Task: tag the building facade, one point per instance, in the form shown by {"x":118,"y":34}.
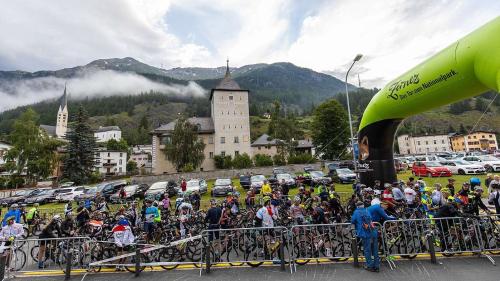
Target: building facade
{"x":477,"y":141}
{"x":226,"y":132}
{"x":104,"y":134}
{"x":111,"y":163}
{"x":409,"y":144}
{"x":3,"y":150}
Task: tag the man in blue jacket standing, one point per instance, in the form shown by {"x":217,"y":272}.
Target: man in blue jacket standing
{"x":365,"y":229}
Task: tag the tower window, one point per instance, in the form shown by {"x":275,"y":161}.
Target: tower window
{"x":236,"y":140}
{"x":222,"y":140}
{"x":230,"y":97}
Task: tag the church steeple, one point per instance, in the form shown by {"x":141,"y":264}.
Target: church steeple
{"x":62,"y":115}
{"x":228,"y":73}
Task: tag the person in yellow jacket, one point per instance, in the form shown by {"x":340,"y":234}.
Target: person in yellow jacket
{"x":32,"y":214}
{"x":266,"y":188}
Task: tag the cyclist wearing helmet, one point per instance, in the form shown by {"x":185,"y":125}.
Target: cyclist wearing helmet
{"x":150,"y":218}
{"x":48,"y":233}
{"x":296,"y":211}
{"x":195,"y":199}
{"x":10,"y":232}
{"x":426,"y":200}
{"x":123,"y":237}
{"x":474,"y":182}
{"x":463,"y":194}
{"x":475,"y":202}
{"x":265,"y":216}
{"x":13,"y":211}
{"x":32,"y":214}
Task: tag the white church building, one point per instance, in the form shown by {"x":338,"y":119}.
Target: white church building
{"x":61,"y":127}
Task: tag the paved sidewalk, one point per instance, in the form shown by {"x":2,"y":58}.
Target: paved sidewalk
{"x":453,"y":269}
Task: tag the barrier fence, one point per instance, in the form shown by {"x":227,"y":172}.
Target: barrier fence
{"x":297,"y":245}
{"x":251,"y":246}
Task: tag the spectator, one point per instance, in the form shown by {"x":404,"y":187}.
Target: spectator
{"x":494,"y":198}
{"x":487,"y":181}
{"x":378,"y":214}
{"x":496,"y":180}
{"x":451,"y":185}
{"x":365,"y":229}
{"x":183,"y":186}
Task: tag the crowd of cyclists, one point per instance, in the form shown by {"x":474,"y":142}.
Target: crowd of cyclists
{"x":163,"y":220}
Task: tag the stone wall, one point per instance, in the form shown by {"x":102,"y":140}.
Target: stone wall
{"x":220,"y":173}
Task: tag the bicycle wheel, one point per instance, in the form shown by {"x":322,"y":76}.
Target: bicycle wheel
{"x":232,"y":252}
{"x":303,"y":252}
{"x":340,"y":252}
{"x":34,"y":253}
{"x":168,"y":255}
{"x":18,"y":260}
{"x":131,"y":260}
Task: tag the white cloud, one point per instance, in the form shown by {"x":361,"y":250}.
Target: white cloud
{"x":88,"y":84}
{"x":394,"y":35}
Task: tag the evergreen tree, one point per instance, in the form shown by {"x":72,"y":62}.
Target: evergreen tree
{"x":81,"y":150}
{"x":462,"y":129}
{"x":481,"y":104}
{"x":330,"y":131}
{"x":451,"y":129}
{"x":185,"y":148}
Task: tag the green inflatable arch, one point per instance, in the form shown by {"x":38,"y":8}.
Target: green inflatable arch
{"x":466,"y":68}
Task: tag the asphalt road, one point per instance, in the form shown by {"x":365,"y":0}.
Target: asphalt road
{"x":453,"y":269}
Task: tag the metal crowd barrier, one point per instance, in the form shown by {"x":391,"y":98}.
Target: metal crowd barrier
{"x":489,"y":228}
{"x":57,"y":254}
{"x":325,"y":241}
{"x":251,"y":246}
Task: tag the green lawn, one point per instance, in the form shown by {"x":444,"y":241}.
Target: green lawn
{"x":59,"y":207}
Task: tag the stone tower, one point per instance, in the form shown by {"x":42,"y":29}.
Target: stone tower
{"x":62,"y":116}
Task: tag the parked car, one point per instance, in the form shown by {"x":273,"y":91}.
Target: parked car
{"x":130,"y":194}
{"x":430,"y":169}
{"x":489,"y":162}
{"x":44,"y":197}
{"x":288,"y":178}
{"x":110,"y":188}
{"x":461,"y":167}
{"x":89,"y":193}
{"x":257,"y":181}
{"x":222,"y":187}
{"x":66,"y":184}
{"x":156,"y":190}
{"x":318,"y":177}
{"x":20,"y":196}
{"x":192,"y":185}
{"x":245,"y":181}
{"x":342,"y":175}
{"x":279,"y":171}
{"x":69,"y":193}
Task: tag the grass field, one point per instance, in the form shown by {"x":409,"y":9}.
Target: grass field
{"x":59,"y":207}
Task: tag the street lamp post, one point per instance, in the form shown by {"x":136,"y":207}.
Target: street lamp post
{"x":357,"y":58}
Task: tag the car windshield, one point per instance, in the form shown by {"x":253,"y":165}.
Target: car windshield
{"x":462,"y":162}
{"x":90,"y":191}
{"x":101,"y":187}
{"x":65,"y":190}
{"x":283,"y":177}
{"x":46,"y":192}
{"x":223,"y":182}
{"x":317,"y":174}
{"x":344,"y":171}
{"x":488,"y":158}
{"x":432,"y":164}
{"x":258,"y":178}
{"x":130,"y":188}
{"x":158,"y":185}
{"x":193,"y":184}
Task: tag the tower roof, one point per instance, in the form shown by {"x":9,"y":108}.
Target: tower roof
{"x":64,"y":99}
{"x":227,"y":83}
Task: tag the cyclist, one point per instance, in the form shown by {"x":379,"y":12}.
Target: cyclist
{"x":150,"y":219}
{"x":13,"y":211}
{"x":474,"y":182}
{"x":475,"y":203}
{"x":185,"y":212}
{"x":266,"y":189}
{"x":32,"y":215}
{"x":265,"y":216}
{"x":426,"y":200}
{"x":68,"y":225}
{"x":195,"y":199}
{"x":11,"y":231}
{"x":48,"y":233}
{"x":124,"y":238}
{"x":463,"y":194}
{"x":68,"y":207}
{"x":397,"y":193}
{"x":451,"y":186}
{"x":447,"y":210}
{"x":213,"y":219}
{"x":296,"y":211}
{"x":410,"y":195}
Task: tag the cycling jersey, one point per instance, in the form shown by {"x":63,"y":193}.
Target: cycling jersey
{"x":151,"y":214}
{"x":410,"y":195}
{"x":32,"y":213}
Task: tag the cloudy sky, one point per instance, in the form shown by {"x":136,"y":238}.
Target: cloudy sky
{"x":320,"y":34}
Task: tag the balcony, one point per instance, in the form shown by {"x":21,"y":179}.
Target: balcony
{"x":108,"y":165}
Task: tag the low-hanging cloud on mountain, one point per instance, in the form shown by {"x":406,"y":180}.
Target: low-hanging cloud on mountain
{"x":88,"y":84}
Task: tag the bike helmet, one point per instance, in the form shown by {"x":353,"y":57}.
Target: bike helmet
{"x":123,"y":221}
{"x":56,"y":218}
{"x":475,"y":181}
{"x":14,"y":206}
